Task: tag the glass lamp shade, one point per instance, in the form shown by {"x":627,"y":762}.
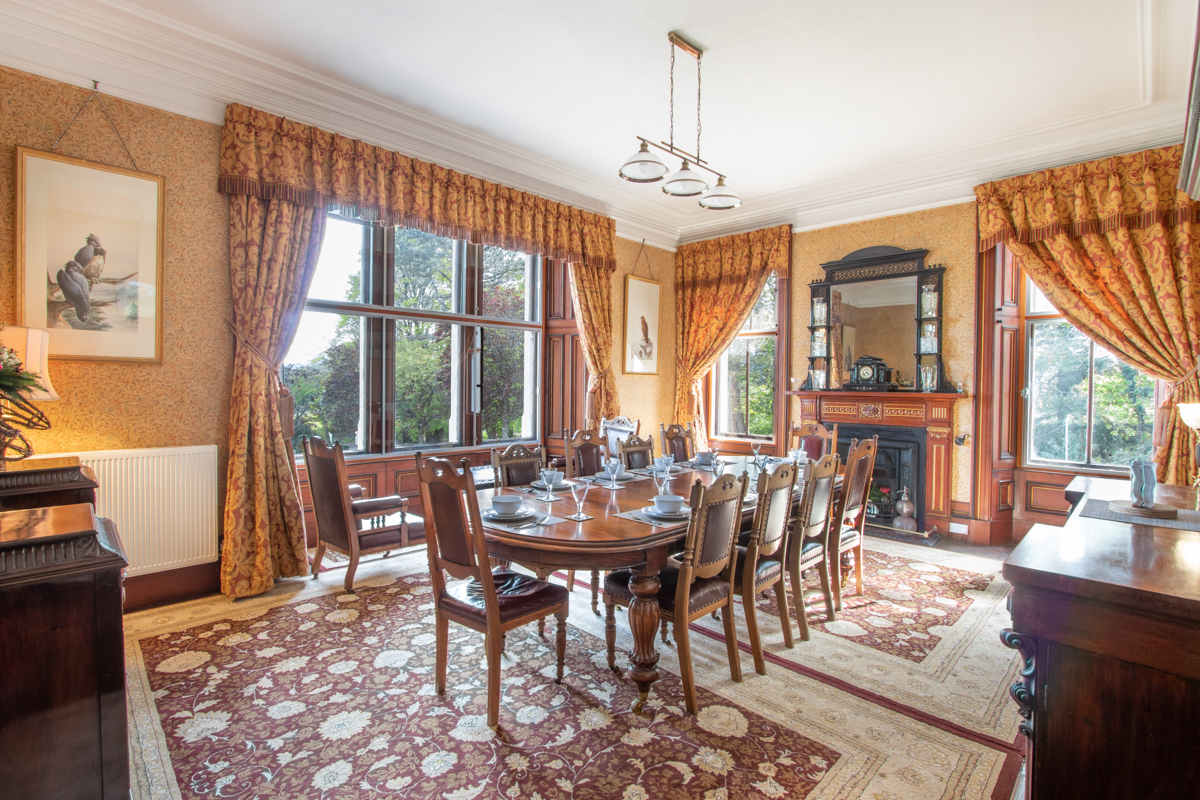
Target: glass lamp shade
{"x":643,"y":167}
{"x":32,"y":346}
{"x":719,"y":198}
{"x":1190,"y":414}
{"x":685,"y":183}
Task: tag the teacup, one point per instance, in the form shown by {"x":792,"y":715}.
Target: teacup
{"x":703,"y":457}
{"x":506,"y":505}
{"x":662,"y":462}
{"x":552,"y":477}
{"x":668,"y":503}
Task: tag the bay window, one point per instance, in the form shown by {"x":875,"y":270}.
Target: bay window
{"x":743,"y":381}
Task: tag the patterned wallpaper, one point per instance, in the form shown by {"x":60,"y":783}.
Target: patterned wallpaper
{"x":949,"y":235}
{"x":107,"y":406}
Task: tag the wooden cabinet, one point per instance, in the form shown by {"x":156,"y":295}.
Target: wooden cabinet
{"x":62,"y":656}
{"x":38,"y":482}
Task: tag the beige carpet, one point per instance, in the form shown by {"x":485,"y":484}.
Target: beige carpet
{"x":310,"y":692}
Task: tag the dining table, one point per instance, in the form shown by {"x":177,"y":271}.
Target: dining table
{"x":608,"y":541}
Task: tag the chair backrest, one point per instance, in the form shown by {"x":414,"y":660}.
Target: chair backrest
{"x":773,"y":513}
{"x":712,"y":531}
{"x":517,"y":465}
{"x":678,"y":441}
{"x":856,"y":483}
{"x":816,"y":503}
{"x":585,"y":453}
{"x":615,"y":429}
{"x":326,"y":468}
{"x":453,"y":529}
{"x":814,"y":439}
{"x":636,"y":453}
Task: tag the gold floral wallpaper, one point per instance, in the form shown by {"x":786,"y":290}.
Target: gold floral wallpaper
{"x":948,"y":233}
{"x":108,"y":406}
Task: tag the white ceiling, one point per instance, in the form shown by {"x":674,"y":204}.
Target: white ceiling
{"x":818,"y":112}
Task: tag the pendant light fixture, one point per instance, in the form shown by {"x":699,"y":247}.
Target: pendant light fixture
{"x":646,"y":167}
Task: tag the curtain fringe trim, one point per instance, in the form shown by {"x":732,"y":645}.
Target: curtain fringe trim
{"x":1145,"y":219}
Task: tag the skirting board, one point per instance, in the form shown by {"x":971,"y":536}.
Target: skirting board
{"x":172,"y":586}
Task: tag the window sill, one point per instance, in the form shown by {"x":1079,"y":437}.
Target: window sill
{"x":1066,"y":469}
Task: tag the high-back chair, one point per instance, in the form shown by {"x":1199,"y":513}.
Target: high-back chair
{"x":678,"y":441}
{"x":808,"y":545}
{"x":760,"y":563}
{"x":615,"y":429}
{"x":814,"y":439}
{"x":584,"y":453}
{"x":517,"y":465}
{"x":491,"y":603}
{"x":348,"y":526}
{"x":636,"y":453}
{"x":699,"y":583}
{"x":847,"y":525}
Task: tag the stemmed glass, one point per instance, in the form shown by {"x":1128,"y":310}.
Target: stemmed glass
{"x":612,"y":467}
{"x":717,"y":463}
{"x":579,"y":490}
{"x":756,"y":446}
{"x":549,"y":496}
{"x":661,"y":479}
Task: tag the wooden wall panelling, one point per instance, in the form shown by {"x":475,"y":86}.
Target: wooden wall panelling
{"x":1039,"y":498}
{"x":565,"y":374}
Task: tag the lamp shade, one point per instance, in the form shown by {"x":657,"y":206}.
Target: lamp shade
{"x":719,"y":198}
{"x":643,"y":167}
{"x":685,"y":183}
{"x":1190,"y":414}
{"x":32,"y":346}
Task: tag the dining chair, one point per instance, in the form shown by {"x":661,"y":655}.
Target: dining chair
{"x":517,"y":465}
{"x":808,"y":544}
{"x":636,"y":453}
{"x":814,"y":439}
{"x":759,"y":565}
{"x":585,"y":457}
{"x":352,"y":527}
{"x":615,"y":429}
{"x":678,"y":441}
{"x":699,"y":583}
{"x":491,"y":603}
{"x":851,"y":517}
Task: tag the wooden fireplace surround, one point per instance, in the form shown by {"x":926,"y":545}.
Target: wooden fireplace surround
{"x":932,"y":411}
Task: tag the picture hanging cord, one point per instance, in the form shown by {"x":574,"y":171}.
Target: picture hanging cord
{"x":103,"y":108}
{"x":649,"y":268}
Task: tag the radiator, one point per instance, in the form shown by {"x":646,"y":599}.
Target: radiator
{"x":163,"y":501}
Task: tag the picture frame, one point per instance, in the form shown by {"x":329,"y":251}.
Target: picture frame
{"x":641,"y":345}
{"x":109,"y":309}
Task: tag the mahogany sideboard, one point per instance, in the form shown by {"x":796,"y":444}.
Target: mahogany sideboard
{"x":39,"y":482}
{"x":1106,"y":617}
{"x":62,"y":656}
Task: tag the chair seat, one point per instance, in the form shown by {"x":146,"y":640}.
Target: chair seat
{"x":705,"y":591}
{"x":763,"y":571}
{"x":849,"y":538}
{"x":378,"y":505}
{"x":516,"y":594}
{"x":390,"y":534}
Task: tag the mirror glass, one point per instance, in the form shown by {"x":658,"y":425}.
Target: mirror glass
{"x":874,"y":318}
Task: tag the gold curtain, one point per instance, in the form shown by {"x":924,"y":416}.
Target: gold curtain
{"x":273,"y":247}
{"x":270,"y":157}
{"x":1113,"y":245}
{"x":591,"y":291}
{"x":717,"y":283}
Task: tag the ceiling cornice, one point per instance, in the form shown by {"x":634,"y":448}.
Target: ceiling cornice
{"x":149,"y":59}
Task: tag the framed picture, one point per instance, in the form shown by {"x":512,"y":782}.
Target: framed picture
{"x":89,"y":257}
{"x":641,"y":325}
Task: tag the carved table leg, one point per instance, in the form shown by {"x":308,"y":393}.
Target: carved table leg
{"x":643,"y":623}
{"x":1022,"y":692}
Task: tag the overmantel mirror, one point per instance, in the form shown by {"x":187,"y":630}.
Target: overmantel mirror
{"x":875,"y":324}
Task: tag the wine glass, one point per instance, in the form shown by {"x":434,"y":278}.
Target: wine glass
{"x":579,"y":490}
{"x":612,"y":467}
{"x":661,"y":478}
{"x":548,"y":497}
{"x":717,"y":464}
{"x":756,"y":446}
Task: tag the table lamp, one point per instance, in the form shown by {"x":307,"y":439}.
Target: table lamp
{"x":31,"y":346}
{"x":1190,"y":414}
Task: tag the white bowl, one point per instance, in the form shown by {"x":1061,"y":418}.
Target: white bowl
{"x":668,"y":503}
{"x":703,"y":457}
{"x":506,"y":505}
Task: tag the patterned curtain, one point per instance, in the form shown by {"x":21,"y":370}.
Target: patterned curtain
{"x":591,"y":291}
{"x":1113,"y":245}
{"x":273,"y":246}
{"x":270,"y":157}
{"x":717,"y":283}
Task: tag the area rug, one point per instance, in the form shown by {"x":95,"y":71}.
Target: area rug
{"x":311,"y":692}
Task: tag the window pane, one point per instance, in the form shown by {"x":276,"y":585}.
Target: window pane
{"x":763,"y":317}
{"x":1036,"y":301}
{"x":505,"y":284}
{"x":745,"y":388}
{"x":424,"y":276}
{"x":507,"y":400}
{"x":1058,"y":388}
{"x":340,"y":266}
{"x":322,"y":371}
{"x":424,"y":390}
{"x":1123,"y":422}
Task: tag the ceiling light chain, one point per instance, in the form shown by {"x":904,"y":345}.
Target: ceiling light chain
{"x":645,"y":167}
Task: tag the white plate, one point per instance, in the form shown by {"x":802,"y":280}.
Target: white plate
{"x":524,"y":513}
{"x":624,"y":477}
{"x":558,"y":487}
{"x":674,"y":469}
{"x":653,"y":513}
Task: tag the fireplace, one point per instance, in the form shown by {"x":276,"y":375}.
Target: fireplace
{"x":899,"y":463}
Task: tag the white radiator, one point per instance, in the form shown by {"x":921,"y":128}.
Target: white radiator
{"x":163,"y":501}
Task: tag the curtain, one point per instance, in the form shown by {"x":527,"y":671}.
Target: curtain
{"x":591,"y":291}
{"x":270,"y":157}
{"x":1113,"y":245}
{"x":717,"y":283}
{"x":273,"y":246}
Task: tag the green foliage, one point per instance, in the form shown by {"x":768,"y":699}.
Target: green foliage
{"x":751,"y":410}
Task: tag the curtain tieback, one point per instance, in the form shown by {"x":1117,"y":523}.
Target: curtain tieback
{"x":243,"y":339}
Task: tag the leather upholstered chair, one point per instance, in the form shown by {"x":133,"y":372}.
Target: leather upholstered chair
{"x":851,"y":518}
{"x":636,"y":453}
{"x":348,"y":526}
{"x":491,"y":603}
{"x":615,"y":429}
{"x":678,"y":441}
{"x":699,"y":583}
{"x":517,"y":465}
{"x":814,"y":439}
{"x":808,"y":545}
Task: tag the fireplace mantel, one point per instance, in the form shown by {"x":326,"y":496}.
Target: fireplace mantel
{"x":932,"y":411}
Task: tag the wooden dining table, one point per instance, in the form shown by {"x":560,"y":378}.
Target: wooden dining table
{"x":608,"y":542}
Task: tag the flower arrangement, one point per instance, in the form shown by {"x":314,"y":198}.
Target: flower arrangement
{"x":16,"y":411}
{"x":15,"y":381}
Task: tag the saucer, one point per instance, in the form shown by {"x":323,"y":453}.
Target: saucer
{"x":675,"y":470}
{"x":558,"y":487}
{"x":653,"y":513}
{"x":496,"y":516}
{"x":625,"y":476}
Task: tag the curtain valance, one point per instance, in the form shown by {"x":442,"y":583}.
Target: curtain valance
{"x":271,"y":157}
{"x":734,"y":258}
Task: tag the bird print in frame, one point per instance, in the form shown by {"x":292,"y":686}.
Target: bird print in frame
{"x":90,"y":257}
{"x":641,"y":325}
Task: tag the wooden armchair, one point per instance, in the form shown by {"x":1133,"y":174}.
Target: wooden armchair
{"x":851,"y":518}
{"x":814,"y":439}
{"x":808,"y":545}
{"x":759,"y":565}
{"x":615,"y":429}
{"x":636,"y":453}
{"x":698,"y":584}
{"x":517,"y":465}
{"x":678,"y":441}
{"x":352,"y":527}
{"x":491,"y":603}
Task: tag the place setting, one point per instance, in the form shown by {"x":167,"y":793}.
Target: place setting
{"x":511,"y":514}
{"x":614,"y":475}
{"x":667,"y":509}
